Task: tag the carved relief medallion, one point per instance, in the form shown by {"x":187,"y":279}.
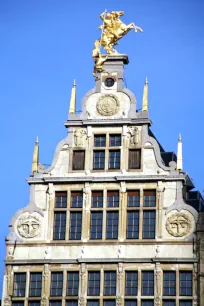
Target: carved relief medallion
{"x":178,"y":225}
{"x":108,"y":105}
{"x":29,"y":225}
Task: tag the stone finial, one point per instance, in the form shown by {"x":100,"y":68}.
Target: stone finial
{"x":35,"y":156}
{"x":179,"y":154}
{"x":72,"y":106}
{"x":145,"y":97}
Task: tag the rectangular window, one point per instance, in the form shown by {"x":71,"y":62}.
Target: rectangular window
{"x":113,"y":198}
{"x":132,"y":225}
{"x":115,"y":140}
{"x":131,"y":283}
{"x":72,"y":303}
{"x":169,"y":303}
{"x":75,"y":226}
{"x":76,"y":199}
{"x":133,"y":198}
{"x":97,"y":199}
{"x":55,"y":303}
{"x":72,"y":283}
{"x":185,"y":283}
{"x":131,"y":302}
{"x":185,"y":303}
{"x":147,"y":302}
{"x":18,"y":303}
{"x":148,"y":283}
{"x":35,"y":284}
{"x":149,"y":198}
{"x":19,"y":284}
{"x":56,"y":283}
{"x":96,"y":224}
{"x":109,"y":283}
{"x":78,"y":160}
{"x":34,"y":303}
{"x":98,"y":160}
{"x":149,"y":224}
{"x":114,"y":159}
{"x":59,"y":228}
{"x":112,"y":225}
{"x":134,"y":161}
{"x":99,"y":140}
{"x":93,"y":303}
{"x":109,"y":303}
{"x":169,"y":283}
{"x":94,"y":283}
{"x":60,"y":199}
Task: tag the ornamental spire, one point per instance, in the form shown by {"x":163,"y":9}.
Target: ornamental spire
{"x":72,"y":106}
{"x":179,"y":154}
{"x":35,"y":156}
{"x":145,"y":97}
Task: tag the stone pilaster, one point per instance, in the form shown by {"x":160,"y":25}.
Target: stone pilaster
{"x":82,"y":291}
{"x":46,"y":285}
{"x":160,"y":197}
{"x":200,"y":255}
{"x":86,"y":212}
{"x":158,"y":284}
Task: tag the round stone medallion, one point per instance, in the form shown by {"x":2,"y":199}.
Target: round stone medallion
{"x":178,"y":225}
{"x":108,"y":105}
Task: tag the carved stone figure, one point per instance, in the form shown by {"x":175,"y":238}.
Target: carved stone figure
{"x":134,"y":135}
{"x":29,"y":225}
{"x":178,"y":225}
{"x":79,"y":137}
{"x":7,"y":301}
{"x":108,"y":105}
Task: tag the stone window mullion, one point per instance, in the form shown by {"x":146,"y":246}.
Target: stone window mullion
{"x":141,"y":213}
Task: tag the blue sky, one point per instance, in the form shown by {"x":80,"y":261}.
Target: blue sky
{"x":45,"y":44}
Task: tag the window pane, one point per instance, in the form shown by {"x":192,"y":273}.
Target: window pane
{"x":109,"y":283}
{"x":134,"y":159}
{"x":132,"y":225}
{"x":149,"y":198}
{"x":133,"y":198}
{"x":130,"y":302}
{"x":59,"y":228}
{"x":131,"y":283}
{"x":115,"y":140}
{"x":109,"y":303}
{"x":148,"y":283}
{"x":185,"y":303}
{"x":114,"y":159}
{"x":169,"y":283}
{"x":34,"y":303}
{"x":98,"y":160}
{"x":149,"y":224}
{"x":97,"y":199}
{"x":72,"y":303}
{"x":96,"y":225}
{"x":185,"y":283}
{"x":60,"y":199}
{"x":93,"y":283}
{"x":19,"y":303}
{"x":78,"y":160}
{"x":56,"y":284}
{"x":76,"y":199}
{"x":55,"y":303}
{"x":19,"y":284}
{"x":147,"y":302}
{"x":112,"y":225}
{"x":113,"y":198}
{"x":99,"y":140}
{"x":75,"y":226}
{"x":93,"y":302}
{"x":35,"y":284}
{"x":72,"y":283}
{"x":169,"y":303}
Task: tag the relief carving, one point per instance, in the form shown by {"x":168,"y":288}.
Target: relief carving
{"x":80,"y":136}
{"x":44,"y":301}
{"x":108,"y":105}
{"x":178,"y":225}
{"x":7,"y":301}
{"x":119,"y":301}
{"x":29,"y":225}
{"x":134,"y":135}
{"x":9,"y":280}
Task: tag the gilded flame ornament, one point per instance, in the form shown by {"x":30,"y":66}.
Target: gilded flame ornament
{"x":112,"y":29}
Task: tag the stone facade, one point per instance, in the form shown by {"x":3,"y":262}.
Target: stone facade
{"x":174,"y":243}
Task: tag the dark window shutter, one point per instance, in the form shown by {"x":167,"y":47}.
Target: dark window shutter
{"x":78,"y":160}
{"x":134,"y":159}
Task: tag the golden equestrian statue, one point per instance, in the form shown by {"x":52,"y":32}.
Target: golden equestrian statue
{"x":113,"y":29}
